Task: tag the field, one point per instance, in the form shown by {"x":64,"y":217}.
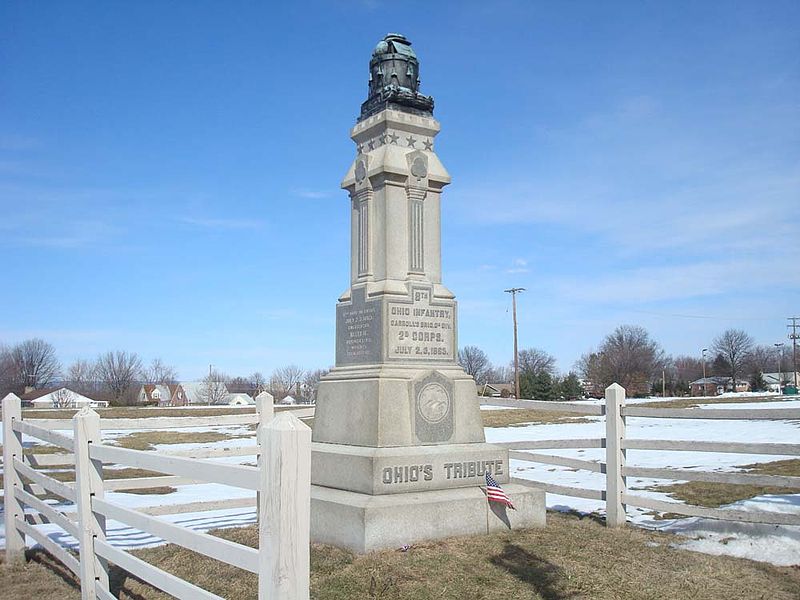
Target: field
{"x":574,"y":557}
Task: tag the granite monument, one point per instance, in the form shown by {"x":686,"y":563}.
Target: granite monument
{"x":398,"y":452}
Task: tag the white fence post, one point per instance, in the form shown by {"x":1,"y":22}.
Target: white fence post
{"x":265,"y":409}
{"x":615,"y":455}
{"x":284,"y":523}
{"x":12,"y":448}
{"x":88,"y":485}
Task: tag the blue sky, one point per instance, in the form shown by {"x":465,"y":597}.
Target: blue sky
{"x":169,"y":172}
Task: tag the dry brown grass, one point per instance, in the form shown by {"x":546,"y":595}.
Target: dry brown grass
{"x":125,"y":473}
{"x":44,"y":449}
{"x":41,"y":577}
{"x":714,"y":495}
{"x":162,"y":490}
{"x":524,"y":416}
{"x":571,"y":558}
{"x":147,"y":440}
{"x":139,"y":412}
{"x":695,"y":402}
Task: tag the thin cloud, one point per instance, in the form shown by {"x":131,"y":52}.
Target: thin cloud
{"x":519,"y":265}
{"x":73,"y":234}
{"x":676,"y":282}
{"x":224,"y":224}
{"x":311,"y":194}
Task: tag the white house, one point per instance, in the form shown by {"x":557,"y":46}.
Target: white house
{"x":240,"y":399}
{"x":160,"y":394}
{"x":60,"y":398}
{"x":776,"y":381}
{"x":197,"y":392}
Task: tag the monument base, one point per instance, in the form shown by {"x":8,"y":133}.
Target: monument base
{"x":364,"y":523}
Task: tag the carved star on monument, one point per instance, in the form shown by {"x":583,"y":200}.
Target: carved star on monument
{"x":382,"y":139}
{"x":371,"y":144}
{"x":360,"y":148}
{"x":411,"y":141}
{"x":393,"y":137}
{"x":428,"y":145}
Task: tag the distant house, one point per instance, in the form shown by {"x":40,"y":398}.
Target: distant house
{"x":714,"y":386}
{"x":195,"y":392}
{"x":776,"y":381}
{"x":496,"y":390}
{"x":60,"y":397}
{"x":591,"y":389}
{"x":160,"y":394}
{"x":288,"y":400}
{"x":240,"y":399}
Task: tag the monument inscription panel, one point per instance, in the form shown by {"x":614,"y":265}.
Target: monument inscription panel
{"x":358,"y":331}
{"x":419,"y":330}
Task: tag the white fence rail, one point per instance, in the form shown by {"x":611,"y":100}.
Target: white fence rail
{"x":282,"y":482}
{"x":616,"y":469}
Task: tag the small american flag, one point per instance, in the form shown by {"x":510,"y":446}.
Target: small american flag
{"x":494,"y":493}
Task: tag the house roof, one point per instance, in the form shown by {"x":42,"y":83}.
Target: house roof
{"x":241,"y":397}
{"x":499,"y":387}
{"x":775,"y":377}
{"x":165,"y":390}
{"x":34,"y":394}
{"x":716,"y":380}
{"x":192,"y":389}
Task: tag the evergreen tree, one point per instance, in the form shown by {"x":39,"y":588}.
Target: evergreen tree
{"x":757,"y":383}
{"x":570,"y":387}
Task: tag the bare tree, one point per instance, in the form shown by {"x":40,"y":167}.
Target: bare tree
{"x":733,"y":346}
{"x":681,"y":371}
{"x":475,"y":362}
{"x":62,"y":398}
{"x":627,"y":356}
{"x":285,"y":380}
{"x":533,"y":361}
{"x":761,"y":359}
{"x":81,"y":375}
{"x":8,"y":375}
{"x":687,"y":368}
{"x":500,"y":374}
{"x":35,"y":363}
{"x":118,"y":371}
{"x":160,"y":373}
{"x":308,"y":389}
{"x":258,"y":382}
{"x":239,"y":384}
{"x":213,"y":389}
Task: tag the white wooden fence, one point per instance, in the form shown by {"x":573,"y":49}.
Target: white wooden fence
{"x":281,"y":481}
{"x":616,"y":469}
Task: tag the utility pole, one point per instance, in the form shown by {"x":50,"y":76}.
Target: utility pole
{"x":704,"y":371}
{"x":514,"y":292}
{"x":794,"y":337}
{"x":779,"y":347}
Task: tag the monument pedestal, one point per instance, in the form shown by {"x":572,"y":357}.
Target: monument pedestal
{"x":404,"y":469}
{"x":364,"y":522}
